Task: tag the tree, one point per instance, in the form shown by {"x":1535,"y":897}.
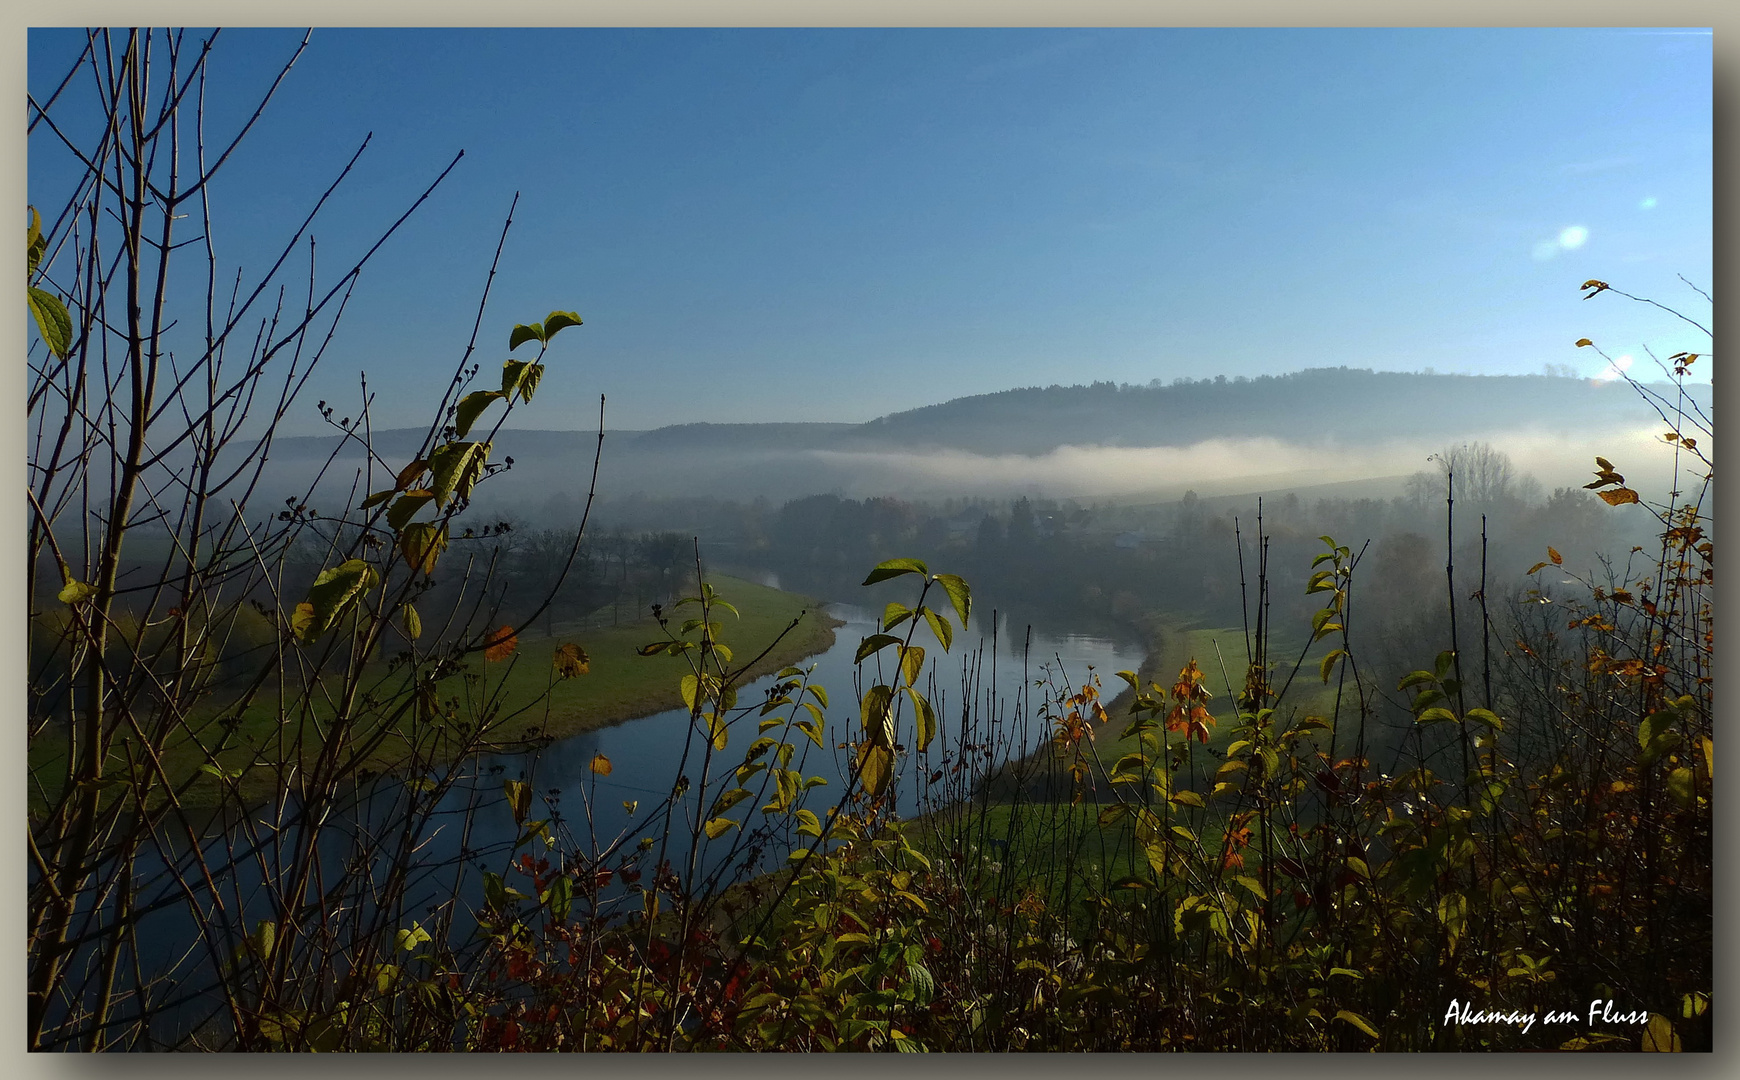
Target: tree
{"x":1485,"y":478}
{"x":206,"y":864}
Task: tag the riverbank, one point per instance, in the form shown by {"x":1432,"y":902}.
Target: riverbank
{"x":531,"y":704}
{"x":622,"y":685}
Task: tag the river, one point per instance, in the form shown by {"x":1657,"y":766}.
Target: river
{"x":983,"y":690}
{"x":987,"y":703}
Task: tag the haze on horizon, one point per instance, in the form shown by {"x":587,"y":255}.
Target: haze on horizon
{"x":835,"y":225}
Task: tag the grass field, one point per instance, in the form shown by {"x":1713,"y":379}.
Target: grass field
{"x":522,"y":690}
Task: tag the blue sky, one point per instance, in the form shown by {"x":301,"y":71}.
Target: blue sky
{"x":832,"y":225}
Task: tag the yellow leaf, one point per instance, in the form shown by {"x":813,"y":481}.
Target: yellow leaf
{"x":1357,"y":1021}
{"x":1618,"y":496}
{"x":1659,"y":1037}
{"x":519,"y":796}
{"x":1582,"y":341}
{"x":716,"y":828}
{"x":600,"y":765}
{"x":876,"y":765}
{"x":571,"y":661}
{"x":302,"y":619}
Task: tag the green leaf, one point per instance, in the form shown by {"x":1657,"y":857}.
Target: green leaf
{"x":1415,"y":679}
{"x":1656,"y":737}
{"x":960,"y":595}
{"x":923,"y":718}
{"x":455,"y":467}
{"x":413,"y":622}
{"x":35,"y":244}
{"x":920,"y":984}
{"x":895,"y":568}
{"x":422,"y":543}
{"x":1485,"y":716}
{"x":1653,"y":726}
{"x":470,"y":407}
{"x":877,"y":715}
{"x":52,"y":321}
{"x":495,"y":892}
{"x":1438,"y":715}
{"x":875,"y":767}
{"x":405,"y":507}
{"x":265,"y":935}
{"x":874,"y":644}
{"x":911,"y":663}
{"x":559,"y":320}
{"x":1446,"y":660}
{"x":559,"y":896}
{"x":76,"y":592}
{"x":524,"y":333}
{"x":1453,"y":913}
{"x":333,"y":593}
{"x":718,"y":827}
{"x":1426,"y":697}
{"x":1679,"y":785}
{"x":726,"y":801}
{"x":940,"y":627}
{"x":1328,"y":666}
{"x":529,"y":381}
{"x":894,"y":614}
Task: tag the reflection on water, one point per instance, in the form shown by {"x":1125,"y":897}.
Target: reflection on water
{"x":988,"y":676}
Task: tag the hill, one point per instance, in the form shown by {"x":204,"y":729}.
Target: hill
{"x":1332,"y":425}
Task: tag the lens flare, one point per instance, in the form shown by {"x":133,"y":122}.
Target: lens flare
{"x":1614,"y":370}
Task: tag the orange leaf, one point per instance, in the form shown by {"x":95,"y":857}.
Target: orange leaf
{"x":600,"y":765}
{"x":408,"y":475}
{"x":1618,"y":496}
{"x":1553,"y":554}
{"x":501,"y":644}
